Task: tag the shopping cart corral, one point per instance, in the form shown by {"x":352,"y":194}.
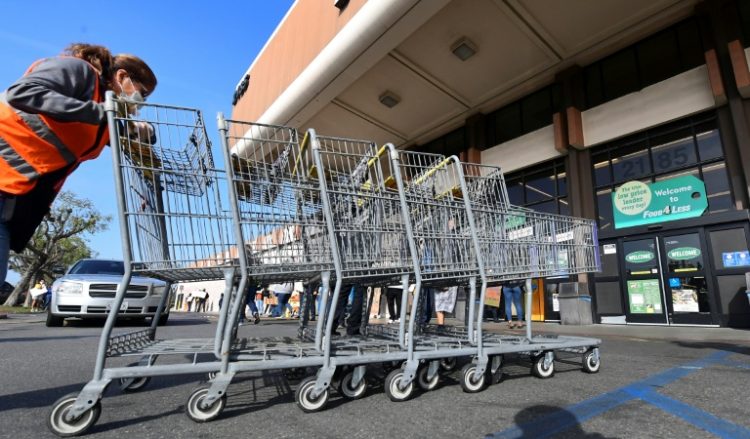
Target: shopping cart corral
{"x":317,"y":209}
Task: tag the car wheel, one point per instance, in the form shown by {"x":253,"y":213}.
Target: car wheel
{"x":54,"y":321}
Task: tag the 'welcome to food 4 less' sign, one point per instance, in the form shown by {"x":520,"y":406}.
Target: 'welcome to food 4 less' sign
{"x":636,"y":203}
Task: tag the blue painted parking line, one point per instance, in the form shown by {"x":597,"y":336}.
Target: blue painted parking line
{"x":562,"y":420}
{"x":695,"y":416}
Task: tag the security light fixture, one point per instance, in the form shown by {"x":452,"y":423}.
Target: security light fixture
{"x":389,"y":99}
{"x":464,"y":48}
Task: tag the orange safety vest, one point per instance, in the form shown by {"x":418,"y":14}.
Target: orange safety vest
{"x":32,"y":145}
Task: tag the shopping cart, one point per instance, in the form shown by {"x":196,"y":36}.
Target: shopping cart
{"x":174,"y":228}
{"x":463,"y":209}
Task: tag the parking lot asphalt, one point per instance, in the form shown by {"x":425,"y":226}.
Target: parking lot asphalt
{"x":657,"y":383}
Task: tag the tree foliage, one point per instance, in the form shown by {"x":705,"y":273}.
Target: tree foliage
{"x":59,"y":241}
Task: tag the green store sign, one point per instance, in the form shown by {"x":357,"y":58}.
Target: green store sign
{"x":639,"y":257}
{"x":515,"y":220}
{"x":684,"y":253}
{"x":636,"y":203}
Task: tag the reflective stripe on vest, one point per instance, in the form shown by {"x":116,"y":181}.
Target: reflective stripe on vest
{"x":16,"y":162}
{"x":35,"y":122}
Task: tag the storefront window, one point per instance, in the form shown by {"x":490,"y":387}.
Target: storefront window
{"x":687,"y":147}
{"x":542,"y":188}
{"x":604,"y":201}
{"x":717,"y":187}
{"x":709,"y":143}
{"x":674,"y":154}
{"x":730,"y":249}
{"x":631,"y":166}
{"x":661,"y":56}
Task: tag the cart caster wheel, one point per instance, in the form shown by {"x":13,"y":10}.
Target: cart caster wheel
{"x":133,"y":384}
{"x":393,"y":386}
{"x":423,"y":382}
{"x":591,"y":364}
{"x":349,"y":392}
{"x":197,"y":412}
{"x":304,"y":398}
{"x":468,"y":383}
{"x":56,"y":420}
{"x":538,"y":369}
{"x":449,"y":364}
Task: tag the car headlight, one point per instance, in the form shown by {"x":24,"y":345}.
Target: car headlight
{"x":68,"y":288}
{"x":158,"y":291}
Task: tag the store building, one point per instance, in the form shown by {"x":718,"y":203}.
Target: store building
{"x":632,"y":112}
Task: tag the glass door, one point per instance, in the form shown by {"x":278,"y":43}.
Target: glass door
{"x":643,"y":282}
{"x":687,"y":290}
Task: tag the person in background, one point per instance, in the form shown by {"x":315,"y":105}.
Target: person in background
{"x":202,"y":298}
{"x":425,"y":307}
{"x":259,"y":301}
{"x":393,"y":296}
{"x":189,"y":301}
{"x":52,"y":119}
{"x":282,"y":292}
{"x":512,"y":291}
{"x":37,"y":295}
{"x":445,"y":300}
{"x":307,"y":302}
{"x":250,"y":292}
{"x":221,"y":300}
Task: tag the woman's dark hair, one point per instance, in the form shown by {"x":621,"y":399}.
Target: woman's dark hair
{"x":101,"y":58}
{"x":138,"y":70}
{"x":98,"y":56}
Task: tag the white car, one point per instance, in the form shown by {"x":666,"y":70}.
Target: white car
{"x":88,"y":289}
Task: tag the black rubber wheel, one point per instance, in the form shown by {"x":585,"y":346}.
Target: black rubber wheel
{"x":349,"y":392}
{"x":538,"y":369}
{"x":449,"y":364}
{"x":197,"y":413}
{"x":134,"y":385}
{"x":304,"y":399}
{"x":423,"y":382}
{"x":468,"y":383}
{"x":54,"y":321}
{"x":591,"y":364}
{"x":56,"y":419}
{"x":393,"y":386}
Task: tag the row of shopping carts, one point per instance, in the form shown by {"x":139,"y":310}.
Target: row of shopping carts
{"x":334,"y":211}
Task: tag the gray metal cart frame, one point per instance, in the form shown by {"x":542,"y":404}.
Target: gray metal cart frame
{"x":324,"y":208}
{"x":173,"y":227}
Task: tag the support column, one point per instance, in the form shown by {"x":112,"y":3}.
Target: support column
{"x":725,"y":58}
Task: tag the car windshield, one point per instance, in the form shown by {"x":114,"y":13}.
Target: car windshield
{"x":98,"y":267}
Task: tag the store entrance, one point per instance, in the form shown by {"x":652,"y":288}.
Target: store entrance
{"x":644,"y":287}
{"x":665,"y":280}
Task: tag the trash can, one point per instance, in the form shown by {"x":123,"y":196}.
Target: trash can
{"x":575,"y":303}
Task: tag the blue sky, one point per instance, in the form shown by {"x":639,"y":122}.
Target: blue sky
{"x":198,"y":50}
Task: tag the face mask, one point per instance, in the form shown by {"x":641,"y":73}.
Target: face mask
{"x":136,"y":96}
